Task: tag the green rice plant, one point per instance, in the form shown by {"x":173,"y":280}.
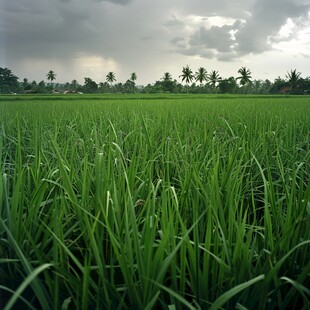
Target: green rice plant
{"x":154,"y":202}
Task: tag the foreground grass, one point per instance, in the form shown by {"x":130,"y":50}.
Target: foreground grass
{"x":177,"y":202}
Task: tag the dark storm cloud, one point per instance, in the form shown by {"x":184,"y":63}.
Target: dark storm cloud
{"x":127,"y":35}
{"x":218,"y":38}
{"x":47,"y":28}
{"x":253,"y":34}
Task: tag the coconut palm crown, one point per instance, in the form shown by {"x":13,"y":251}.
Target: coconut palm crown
{"x":245,"y":76}
{"x":167,"y":77}
{"x":110,"y":77}
{"x":293,"y":77}
{"x":213,"y":78}
{"x":187,"y":75}
{"x":51,"y":75}
{"x":201,"y":75}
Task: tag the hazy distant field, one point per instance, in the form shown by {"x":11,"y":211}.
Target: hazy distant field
{"x":159,"y":201}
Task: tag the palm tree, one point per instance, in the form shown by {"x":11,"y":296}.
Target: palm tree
{"x":167,"y":77}
{"x":133,"y":78}
{"x":110,"y":77}
{"x":167,"y":83}
{"x":245,"y":76}
{"x":201,"y":75}
{"x":187,"y":75}
{"x":51,"y":76}
{"x":293,"y":78}
{"x":213,"y":78}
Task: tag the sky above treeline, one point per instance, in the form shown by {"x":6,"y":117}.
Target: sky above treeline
{"x":89,"y":38}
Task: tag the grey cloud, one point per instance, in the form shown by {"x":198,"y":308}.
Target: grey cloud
{"x":174,"y":22}
{"x":218,"y":38}
{"x":266,"y":20}
{"x":226,"y":57}
{"x":179,"y":42}
{"x":196,"y":51}
{"x":34,"y":29}
{"x":254,"y":34}
{"x":235,"y":9}
{"x":122,"y":2}
{"x":135,"y":34}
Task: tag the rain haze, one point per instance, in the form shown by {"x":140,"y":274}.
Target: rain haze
{"x":78,"y":38}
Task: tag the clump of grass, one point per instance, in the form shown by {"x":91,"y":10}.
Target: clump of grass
{"x":201,"y":202}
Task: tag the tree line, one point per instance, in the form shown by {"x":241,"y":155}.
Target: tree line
{"x":201,"y":81}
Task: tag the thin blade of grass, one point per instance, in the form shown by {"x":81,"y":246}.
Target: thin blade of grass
{"x":30,"y":278}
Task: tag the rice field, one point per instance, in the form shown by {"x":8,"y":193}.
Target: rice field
{"x":154,"y":202}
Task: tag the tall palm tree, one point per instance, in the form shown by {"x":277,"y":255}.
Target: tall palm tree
{"x":213,"y":78}
{"x":110,"y":77}
{"x":187,"y":75}
{"x":133,"y":78}
{"x":293,"y":78}
{"x":51,"y":76}
{"x":245,"y":76}
{"x":201,"y":75}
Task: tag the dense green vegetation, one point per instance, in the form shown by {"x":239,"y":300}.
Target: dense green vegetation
{"x":147,"y":202}
{"x":199,"y":82}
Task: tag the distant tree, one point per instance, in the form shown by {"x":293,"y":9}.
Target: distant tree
{"x":74,"y":85}
{"x":266,"y":86}
{"x":133,"y":78}
{"x":8,"y":81}
{"x":167,"y":83}
{"x":128,"y":86}
{"x":119,"y":88}
{"x":201,"y":75}
{"x":303,"y":86}
{"x":90,"y":86}
{"x":104,"y":87}
{"x":187,"y":75}
{"x":279,"y":86}
{"x":228,"y":85}
{"x":259,"y":87}
{"x":213,"y":79}
{"x":245,"y":76}
{"x":255,"y":87}
{"x":67,"y":86}
{"x":167,"y":77}
{"x":293,"y":78}
{"x":25,"y":84}
{"x":110,"y":77}
{"x":51,"y":76}
{"x":157,"y":87}
{"x":41,"y":87}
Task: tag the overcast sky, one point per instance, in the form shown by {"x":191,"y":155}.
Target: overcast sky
{"x":89,"y":38}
